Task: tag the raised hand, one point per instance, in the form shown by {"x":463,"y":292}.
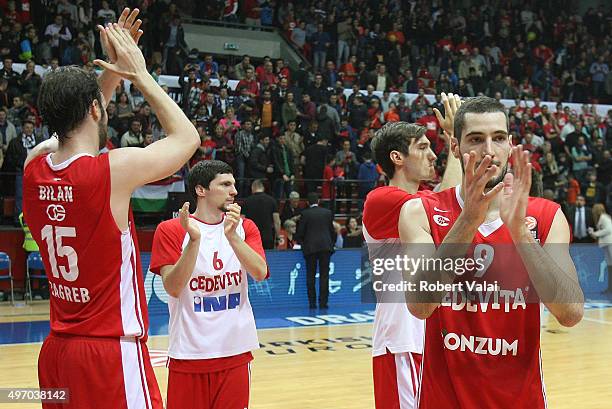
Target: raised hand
{"x":515,"y":196}
{"x":476,"y":178}
{"x":188,"y":224}
{"x":232,"y":218}
{"x":127,"y":21}
{"x":451,"y":102}
{"x":130,"y":63}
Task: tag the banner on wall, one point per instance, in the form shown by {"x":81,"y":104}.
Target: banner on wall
{"x":286,"y":286}
{"x":350,"y":279}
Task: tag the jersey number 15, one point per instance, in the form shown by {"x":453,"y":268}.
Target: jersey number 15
{"x":55,"y":246}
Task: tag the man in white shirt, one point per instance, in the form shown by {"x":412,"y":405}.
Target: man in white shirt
{"x":204,"y":259}
{"x":56,"y":31}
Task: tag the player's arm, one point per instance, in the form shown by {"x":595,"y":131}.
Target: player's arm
{"x":48,"y":146}
{"x":132,"y":167}
{"x":176,"y":276}
{"x":453,"y":172}
{"x":108,"y":81}
{"x":247,"y":251}
{"x":553,"y":273}
{"x":415,"y":235}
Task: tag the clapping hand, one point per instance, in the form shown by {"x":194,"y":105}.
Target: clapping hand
{"x":188,"y":224}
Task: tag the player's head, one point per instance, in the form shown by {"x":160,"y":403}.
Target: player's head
{"x":481,"y":125}
{"x":212,"y":182}
{"x":68,"y":98}
{"x":403,"y":147}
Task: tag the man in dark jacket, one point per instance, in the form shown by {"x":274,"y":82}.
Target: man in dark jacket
{"x":316,"y":234}
{"x":314,"y":163}
{"x":16,"y":154}
{"x":580,"y":218}
{"x":260,"y":165}
{"x":284,"y":173}
{"x":263,"y":210}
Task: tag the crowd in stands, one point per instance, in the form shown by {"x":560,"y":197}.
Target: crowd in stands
{"x":296,"y":128}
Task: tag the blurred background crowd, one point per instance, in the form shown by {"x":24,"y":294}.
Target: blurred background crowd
{"x":307,"y":128}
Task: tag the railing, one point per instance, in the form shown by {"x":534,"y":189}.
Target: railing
{"x":227,"y":24}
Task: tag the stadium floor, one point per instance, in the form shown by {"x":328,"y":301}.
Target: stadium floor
{"x":323,"y":360}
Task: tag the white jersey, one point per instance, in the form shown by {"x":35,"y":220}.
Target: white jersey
{"x":395,"y":328}
{"x":212,"y":317}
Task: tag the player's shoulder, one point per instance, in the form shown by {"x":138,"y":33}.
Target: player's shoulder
{"x":541,"y":205}
{"x":248,"y":225}
{"x":386,"y":197}
{"x":170,"y":226}
{"x":444,"y":197}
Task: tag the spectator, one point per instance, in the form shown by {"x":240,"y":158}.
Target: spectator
{"x":603,"y":234}
{"x":7,"y":131}
{"x":289,"y":110}
{"x":174,"y":44}
{"x":241,"y":68}
{"x":367,"y":175}
{"x":314,"y":163}
{"x":208,"y":67}
{"x":599,"y":71}
{"x":260,"y":163}
{"x":283,"y":165}
{"x":106,"y":14}
{"x":16,"y":153}
{"x":594,"y":192}
{"x":291,"y":209}
{"x":262,"y":209}
{"x":133,"y":137}
{"x":581,"y":156}
{"x":290,"y":229}
{"x":353,"y":234}
{"x":11,"y":76}
{"x":580,"y":218}
{"x":320,"y":40}
{"x":57,"y":34}
{"x":250,"y":83}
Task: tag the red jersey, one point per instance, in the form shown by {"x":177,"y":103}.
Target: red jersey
{"x":395,"y":329}
{"x":382,"y":208}
{"x":93,"y":268}
{"x":482,"y":348}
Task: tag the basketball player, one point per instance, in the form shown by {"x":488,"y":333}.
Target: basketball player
{"x":203,"y":260}
{"x":404,"y":153}
{"x":482,"y":346}
{"x":76,"y":204}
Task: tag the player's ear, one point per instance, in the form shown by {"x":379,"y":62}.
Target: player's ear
{"x":95,"y":110}
{"x":454,"y":147}
{"x":511,"y":144}
{"x":396,"y":158}
{"x":200,"y":191}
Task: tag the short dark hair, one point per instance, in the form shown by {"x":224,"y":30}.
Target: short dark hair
{"x":476,"y":105}
{"x":65,"y":97}
{"x":313,"y":198}
{"x":204,"y":172}
{"x":393,"y":136}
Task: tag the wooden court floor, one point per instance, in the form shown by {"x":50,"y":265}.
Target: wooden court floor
{"x":329,"y":367}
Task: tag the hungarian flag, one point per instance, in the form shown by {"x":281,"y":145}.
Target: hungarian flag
{"x":153,"y":197}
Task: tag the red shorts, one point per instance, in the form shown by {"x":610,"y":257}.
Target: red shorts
{"x":99,"y":372}
{"x":226,"y":389}
{"x":396,"y":380}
